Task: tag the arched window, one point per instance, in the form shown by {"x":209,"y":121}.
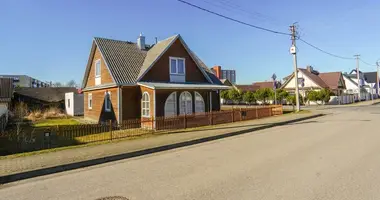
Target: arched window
{"x":145,"y":105}
{"x":171,"y":105}
{"x":185,"y":103}
{"x":199,"y":103}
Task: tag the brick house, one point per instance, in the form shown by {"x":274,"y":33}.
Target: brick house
{"x":125,"y":80}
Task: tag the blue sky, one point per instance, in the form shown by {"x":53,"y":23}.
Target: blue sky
{"x":51,"y":40}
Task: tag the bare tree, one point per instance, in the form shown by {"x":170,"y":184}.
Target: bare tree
{"x":71,"y":83}
{"x":57,"y":84}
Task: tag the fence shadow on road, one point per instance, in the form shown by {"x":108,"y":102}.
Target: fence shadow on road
{"x":97,"y":161}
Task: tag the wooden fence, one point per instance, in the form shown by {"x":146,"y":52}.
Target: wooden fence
{"x":31,"y":139}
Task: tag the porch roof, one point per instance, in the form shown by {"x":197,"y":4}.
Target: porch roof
{"x":182,"y":86}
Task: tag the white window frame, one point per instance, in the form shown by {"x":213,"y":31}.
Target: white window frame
{"x":89,"y":101}
{"x":107,"y":98}
{"x":176,"y":59}
{"x":100,"y":68}
{"x":195,"y":102}
{"x":142,"y":105}
{"x":175,"y":104}
{"x":186,"y":108}
{"x":68,"y":103}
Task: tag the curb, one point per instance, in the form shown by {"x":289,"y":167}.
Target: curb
{"x":61,"y":168}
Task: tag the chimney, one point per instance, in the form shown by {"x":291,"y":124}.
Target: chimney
{"x":309,"y":68}
{"x":218,"y":71}
{"x":141,"y":42}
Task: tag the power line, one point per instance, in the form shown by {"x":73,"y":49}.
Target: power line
{"x":323,"y":51}
{"x":367,"y":63}
{"x":232,"y":19}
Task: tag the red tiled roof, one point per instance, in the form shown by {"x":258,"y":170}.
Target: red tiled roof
{"x":245,"y":88}
{"x":265,"y":84}
{"x":331,"y":79}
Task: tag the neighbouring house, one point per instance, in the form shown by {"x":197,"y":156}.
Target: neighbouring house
{"x":310,"y":79}
{"x":74,"y":103}
{"x":367,"y":82}
{"x":42,"y":98}
{"x":247,"y":88}
{"x":266,"y":84}
{"x":126,"y":80}
{"x":6,"y":94}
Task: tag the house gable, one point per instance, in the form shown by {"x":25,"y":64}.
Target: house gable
{"x":308,"y":83}
{"x":105,"y":75}
{"x":159,"y":71}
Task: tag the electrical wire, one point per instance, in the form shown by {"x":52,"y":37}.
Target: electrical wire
{"x":232,"y":19}
{"x":323,"y":51}
{"x":367,"y":63}
{"x":266,"y":29}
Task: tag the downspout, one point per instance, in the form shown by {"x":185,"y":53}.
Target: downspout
{"x":120,"y":104}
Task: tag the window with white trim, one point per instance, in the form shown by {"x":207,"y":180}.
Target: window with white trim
{"x":68,"y":103}
{"x":177,"y":66}
{"x":185,"y":103}
{"x":89,"y":98}
{"x":145,"y":105}
{"x":171,"y":105}
{"x":97,"y":68}
{"x":107,"y":101}
{"x":199,"y":103}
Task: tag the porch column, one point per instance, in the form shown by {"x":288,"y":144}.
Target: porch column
{"x":210,"y":101}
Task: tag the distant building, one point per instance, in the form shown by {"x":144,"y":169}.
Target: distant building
{"x":25,"y":81}
{"x":224,"y":73}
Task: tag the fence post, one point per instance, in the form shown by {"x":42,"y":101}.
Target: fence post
{"x":212,"y":115}
{"x":233,"y":113}
{"x":110,"y":129}
{"x":257,"y":114}
{"x":241,"y":115}
{"x":152,"y":120}
{"x":184,"y":121}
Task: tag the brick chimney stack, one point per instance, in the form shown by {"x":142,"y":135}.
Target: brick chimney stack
{"x":218,"y":71}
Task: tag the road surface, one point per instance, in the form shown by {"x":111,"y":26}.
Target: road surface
{"x":332,"y":157}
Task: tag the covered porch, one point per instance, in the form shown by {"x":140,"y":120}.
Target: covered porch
{"x":175,"y":99}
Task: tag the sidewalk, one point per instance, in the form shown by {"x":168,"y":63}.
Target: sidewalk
{"x":102,"y":153}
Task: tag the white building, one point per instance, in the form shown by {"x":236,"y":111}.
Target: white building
{"x":74,"y":104}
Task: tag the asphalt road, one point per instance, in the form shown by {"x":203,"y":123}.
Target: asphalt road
{"x":332,"y":157}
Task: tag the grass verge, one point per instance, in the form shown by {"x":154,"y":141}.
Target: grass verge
{"x":55,"y":122}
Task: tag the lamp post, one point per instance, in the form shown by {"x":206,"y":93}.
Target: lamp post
{"x":274,"y":88}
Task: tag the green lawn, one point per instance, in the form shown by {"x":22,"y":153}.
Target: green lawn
{"x":54,"y":122}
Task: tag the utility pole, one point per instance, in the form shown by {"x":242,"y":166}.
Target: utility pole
{"x":293,"y":50}
{"x":377,"y":80}
{"x":358,"y":76}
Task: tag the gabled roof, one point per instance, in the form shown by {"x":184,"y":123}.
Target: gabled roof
{"x":331,"y":79}
{"x":264,"y":84}
{"x":50,"y":94}
{"x":127,"y":64}
{"x":154,"y":53}
{"x":370,"y":77}
{"x":315,"y":78}
{"x":245,"y":88}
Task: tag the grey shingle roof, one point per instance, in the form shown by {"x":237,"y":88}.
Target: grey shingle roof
{"x":127,"y":63}
{"x":124,"y":59}
{"x":370,"y":77}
